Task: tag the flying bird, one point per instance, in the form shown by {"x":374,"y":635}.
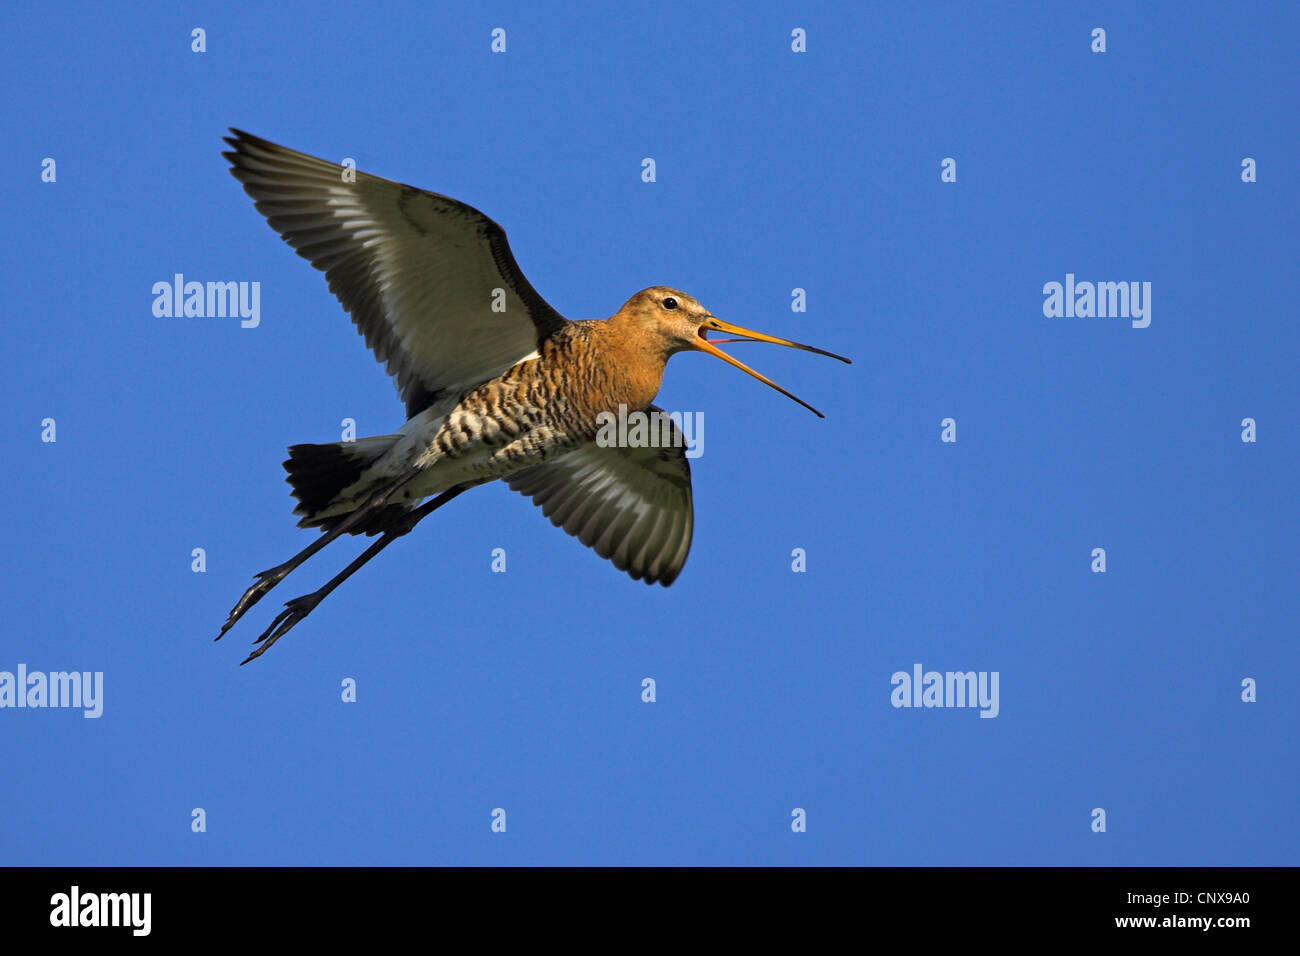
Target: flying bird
{"x":496,"y":383}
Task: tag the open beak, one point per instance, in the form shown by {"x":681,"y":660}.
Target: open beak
{"x":713,"y":324}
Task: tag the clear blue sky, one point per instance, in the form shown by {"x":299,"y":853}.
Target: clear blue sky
{"x":775,"y":170}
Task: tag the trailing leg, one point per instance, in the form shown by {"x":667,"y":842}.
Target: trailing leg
{"x":299,"y":607}
{"x":268,"y":579}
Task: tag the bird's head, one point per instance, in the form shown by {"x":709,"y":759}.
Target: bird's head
{"x":676,"y":322}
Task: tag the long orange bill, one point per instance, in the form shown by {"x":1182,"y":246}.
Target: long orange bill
{"x":713,"y":324}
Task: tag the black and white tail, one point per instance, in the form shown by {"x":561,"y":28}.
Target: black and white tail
{"x":323,"y":479}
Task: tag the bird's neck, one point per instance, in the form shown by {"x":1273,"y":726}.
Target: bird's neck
{"x":627,"y":369}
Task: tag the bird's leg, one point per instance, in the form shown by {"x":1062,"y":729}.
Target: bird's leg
{"x":265,"y":580}
{"x":298,"y":608}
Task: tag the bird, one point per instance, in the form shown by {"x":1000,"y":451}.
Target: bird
{"x":496,"y":384}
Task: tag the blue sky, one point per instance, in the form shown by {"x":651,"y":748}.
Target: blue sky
{"x":776,"y":170}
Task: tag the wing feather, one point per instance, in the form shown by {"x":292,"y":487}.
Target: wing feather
{"x":417,"y":271}
{"x":632,"y":506}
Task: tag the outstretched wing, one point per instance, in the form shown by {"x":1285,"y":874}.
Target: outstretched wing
{"x":632,"y":505}
{"x":417,"y":271}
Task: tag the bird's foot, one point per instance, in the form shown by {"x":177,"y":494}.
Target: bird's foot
{"x":294,"y":611}
{"x":265,"y":580}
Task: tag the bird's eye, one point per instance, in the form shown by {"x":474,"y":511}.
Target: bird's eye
{"x":670,"y":303}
